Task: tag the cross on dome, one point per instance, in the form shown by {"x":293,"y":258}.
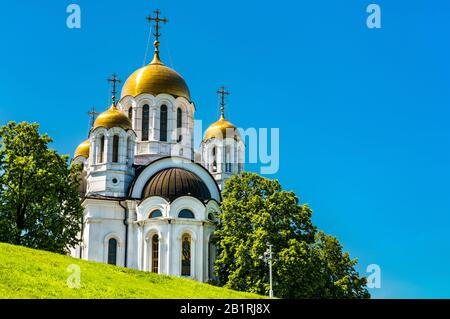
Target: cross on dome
{"x":114,"y":79}
{"x":157,"y":20}
{"x":92,"y":114}
{"x":222,"y":94}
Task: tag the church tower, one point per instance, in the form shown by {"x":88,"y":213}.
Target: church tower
{"x":111,"y":152}
{"x":222,"y":148}
{"x":158,"y":103}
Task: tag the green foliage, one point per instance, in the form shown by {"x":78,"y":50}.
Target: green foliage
{"x":30,"y":273}
{"x":307,"y":263}
{"x":40,"y":204}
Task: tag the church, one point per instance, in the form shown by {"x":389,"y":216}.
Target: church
{"x":150,"y":199}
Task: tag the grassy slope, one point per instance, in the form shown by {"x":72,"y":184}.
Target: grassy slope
{"x":30,"y":273}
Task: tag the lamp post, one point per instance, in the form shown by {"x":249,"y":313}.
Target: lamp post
{"x":268,"y":256}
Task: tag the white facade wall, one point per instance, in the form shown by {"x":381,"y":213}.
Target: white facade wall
{"x":104,"y":219}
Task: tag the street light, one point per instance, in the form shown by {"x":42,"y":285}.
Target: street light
{"x":268,"y":259}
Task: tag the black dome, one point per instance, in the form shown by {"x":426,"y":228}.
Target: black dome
{"x":171,"y":183}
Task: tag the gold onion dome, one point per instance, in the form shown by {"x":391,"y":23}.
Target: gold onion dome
{"x":156,"y":78}
{"x":83,"y":149}
{"x":221,"y":129}
{"x":112,"y":118}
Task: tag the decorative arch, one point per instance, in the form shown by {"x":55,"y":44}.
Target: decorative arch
{"x":174,"y":161}
{"x":187,"y":202}
{"x":150,"y":204}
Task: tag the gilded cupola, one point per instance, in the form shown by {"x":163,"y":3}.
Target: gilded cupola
{"x":156,"y":78}
{"x":82,"y":149}
{"x":113,"y":117}
{"x":222,"y":128}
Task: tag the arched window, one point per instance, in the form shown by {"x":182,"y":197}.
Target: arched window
{"x":179,"y":124}
{"x":211,"y":217}
{"x":130,"y":113}
{"x":155,"y":254}
{"x":115,"y":154}
{"x":186,"y":213}
{"x":129,"y":150}
{"x":145,"y":121}
{"x":112,"y":251}
{"x":163,"y":124}
{"x":214,"y":164}
{"x":156,"y":213}
{"x":186,"y":255}
{"x":228,"y":160}
{"x":101,"y":154}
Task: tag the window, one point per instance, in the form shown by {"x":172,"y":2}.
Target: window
{"x":101,"y":154}
{"x":115,"y":155}
{"x":112,"y":251}
{"x":186,"y":256}
{"x":155,"y":253}
{"x":163,"y":124}
{"x":179,"y":118}
{"x":129,"y":151}
{"x":179,"y":124}
{"x":214,"y":164}
{"x":145,"y":121}
{"x":228,"y":160}
{"x":130,"y":113}
{"x":211,"y":217}
{"x":156,"y":213}
{"x":186,"y":213}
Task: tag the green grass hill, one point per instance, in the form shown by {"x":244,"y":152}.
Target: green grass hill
{"x":30,"y":273}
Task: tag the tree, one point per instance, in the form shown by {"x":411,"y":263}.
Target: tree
{"x":40,"y":203}
{"x":307,"y":263}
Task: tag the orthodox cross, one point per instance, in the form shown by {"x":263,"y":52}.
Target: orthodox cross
{"x":92,"y":114}
{"x":157,"y":20}
{"x":114,"y":80}
{"x":222,"y":94}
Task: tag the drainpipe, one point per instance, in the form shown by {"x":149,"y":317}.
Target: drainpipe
{"x":125,"y":222}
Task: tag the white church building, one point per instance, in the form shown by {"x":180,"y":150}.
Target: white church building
{"x":150,"y":200}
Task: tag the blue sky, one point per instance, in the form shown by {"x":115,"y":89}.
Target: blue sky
{"x":363,"y":114}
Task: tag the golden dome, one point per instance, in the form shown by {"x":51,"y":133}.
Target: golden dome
{"x":156,"y":78}
{"x":112,"y":118}
{"x":82,"y":149}
{"x":219,"y":129}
